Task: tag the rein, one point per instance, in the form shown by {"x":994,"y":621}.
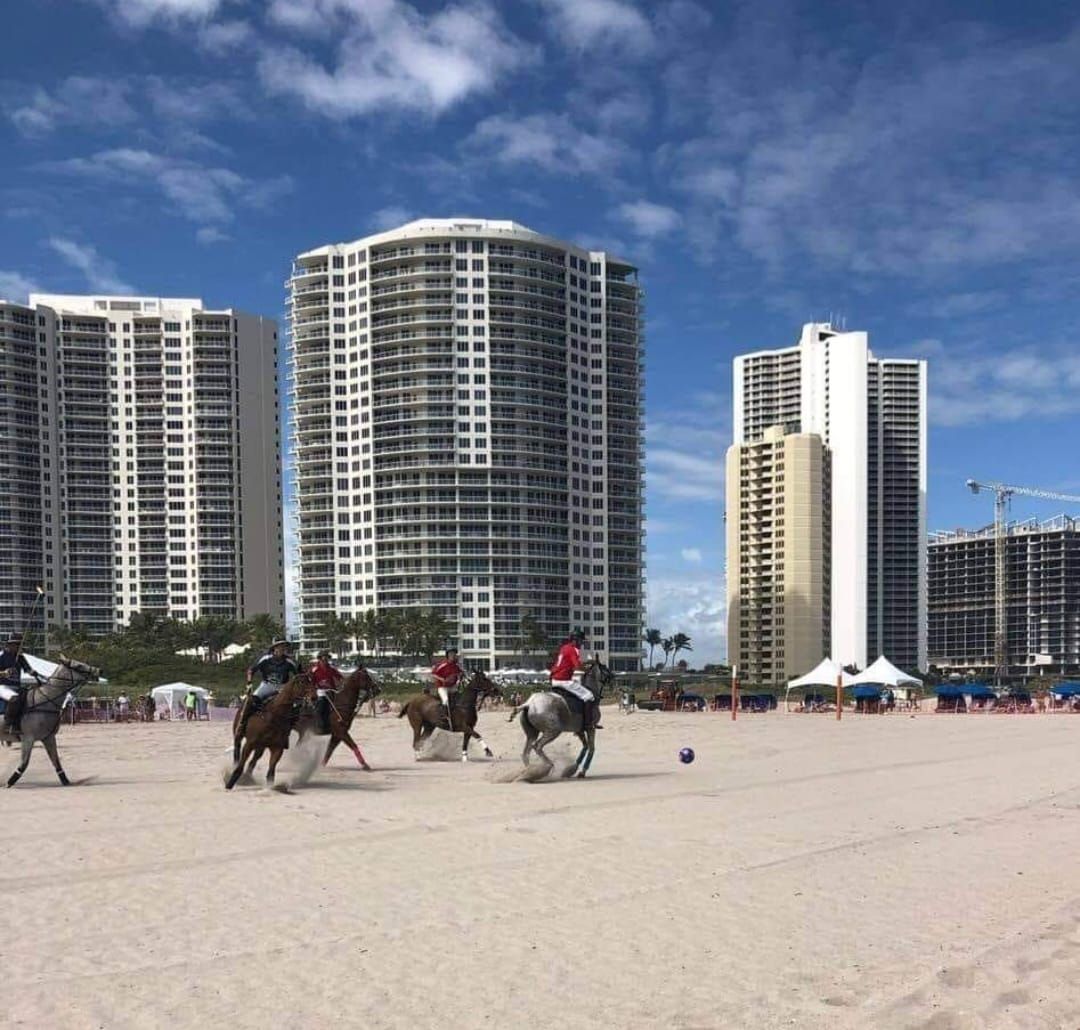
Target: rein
{"x":52,"y":705}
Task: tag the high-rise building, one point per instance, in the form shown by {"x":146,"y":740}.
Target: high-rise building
{"x":1042,"y":590}
{"x":871,"y":416}
{"x":142,"y":443}
{"x":778,"y":542}
{"x":467,"y":434}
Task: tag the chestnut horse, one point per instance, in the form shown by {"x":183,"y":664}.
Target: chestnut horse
{"x":425,"y":714}
{"x":268,"y":728}
{"x":356,"y":689}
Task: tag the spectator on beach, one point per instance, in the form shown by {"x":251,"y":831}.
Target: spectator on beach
{"x":189,"y":704}
{"x":122,"y":705}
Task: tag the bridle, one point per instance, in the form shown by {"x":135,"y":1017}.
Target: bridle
{"x":52,"y":705}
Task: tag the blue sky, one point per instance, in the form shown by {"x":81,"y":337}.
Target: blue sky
{"x":914,"y":168}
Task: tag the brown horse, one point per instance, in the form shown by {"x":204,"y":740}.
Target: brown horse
{"x":357,"y":689}
{"x":268,"y":729}
{"x":425,"y":714}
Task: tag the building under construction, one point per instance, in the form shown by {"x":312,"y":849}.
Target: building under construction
{"x":1042,"y":592}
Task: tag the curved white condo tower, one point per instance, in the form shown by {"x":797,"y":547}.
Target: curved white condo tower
{"x":467,"y":435}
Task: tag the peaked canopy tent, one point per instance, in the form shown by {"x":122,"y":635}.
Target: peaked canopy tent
{"x":883,"y":673}
{"x":171,"y":695}
{"x":824,"y":674}
{"x":1070,"y":688}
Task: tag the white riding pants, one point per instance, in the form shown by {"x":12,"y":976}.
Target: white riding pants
{"x":265,"y":690}
{"x":444,"y":696}
{"x":576,"y":687}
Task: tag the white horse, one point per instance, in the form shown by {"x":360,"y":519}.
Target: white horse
{"x":547,"y":715}
{"x":41,"y":715}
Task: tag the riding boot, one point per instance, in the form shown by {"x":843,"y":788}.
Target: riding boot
{"x":444,"y":714}
{"x":13,"y":714}
{"x":249,"y":709}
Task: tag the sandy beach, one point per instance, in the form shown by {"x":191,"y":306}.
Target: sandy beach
{"x":880,"y":872}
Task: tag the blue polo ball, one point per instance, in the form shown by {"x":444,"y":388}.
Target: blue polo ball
{"x":686,"y":755}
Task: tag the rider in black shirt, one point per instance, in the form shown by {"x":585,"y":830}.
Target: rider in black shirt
{"x":275,"y":669}
{"x":13,"y":664}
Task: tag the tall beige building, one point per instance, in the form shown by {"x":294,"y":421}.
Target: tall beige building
{"x":778,"y":535}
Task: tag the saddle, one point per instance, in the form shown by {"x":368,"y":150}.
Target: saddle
{"x":573,"y":702}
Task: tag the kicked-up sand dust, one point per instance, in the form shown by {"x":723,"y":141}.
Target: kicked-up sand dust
{"x":881,"y":872}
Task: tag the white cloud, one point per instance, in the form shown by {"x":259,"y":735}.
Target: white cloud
{"x":648,"y":219}
{"x":390,"y":217}
{"x":694,"y":603}
{"x":141,"y":13}
{"x":391,"y":56}
{"x":686,"y":448}
{"x":600,"y":24}
{"x":959,"y":305}
{"x":220,"y":37}
{"x":183,"y":101}
{"x":970,"y":385}
{"x":80,"y":100}
{"x":16,"y":287}
{"x":100,"y":272}
{"x":691,"y":555}
{"x":210,"y":234}
{"x":199,"y":192}
{"x":546,"y":141}
{"x":116,"y":104}
{"x":891,"y":165}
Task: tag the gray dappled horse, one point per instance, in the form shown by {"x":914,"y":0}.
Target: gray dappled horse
{"x":41,"y":716}
{"x":547,"y":714}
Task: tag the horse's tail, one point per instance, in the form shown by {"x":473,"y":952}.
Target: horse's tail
{"x":526,"y":726}
{"x":404,"y":710}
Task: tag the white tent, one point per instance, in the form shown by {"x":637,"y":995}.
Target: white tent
{"x":824,"y":674}
{"x":171,"y":695}
{"x":886,"y":674}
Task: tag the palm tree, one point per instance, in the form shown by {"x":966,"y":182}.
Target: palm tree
{"x":679,"y":642}
{"x":362,"y":626}
{"x":435,"y":631}
{"x":336,"y":632}
{"x":261,"y":629}
{"x":215,"y":633}
{"x":652,"y":638}
{"x":532,"y":636}
{"x":667,"y":645}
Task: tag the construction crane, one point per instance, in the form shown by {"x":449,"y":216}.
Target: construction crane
{"x":1002,"y":492}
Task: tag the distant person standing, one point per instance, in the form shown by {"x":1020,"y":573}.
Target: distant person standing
{"x":122,"y":705}
{"x":189,"y":705}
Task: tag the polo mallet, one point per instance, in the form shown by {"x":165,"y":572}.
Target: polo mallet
{"x":33,"y":608}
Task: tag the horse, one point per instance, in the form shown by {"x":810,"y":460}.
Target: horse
{"x":268,"y":728}
{"x":425,"y":714}
{"x":41,"y":715}
{"x":357,"y":689}
{"x":547,"y":714}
